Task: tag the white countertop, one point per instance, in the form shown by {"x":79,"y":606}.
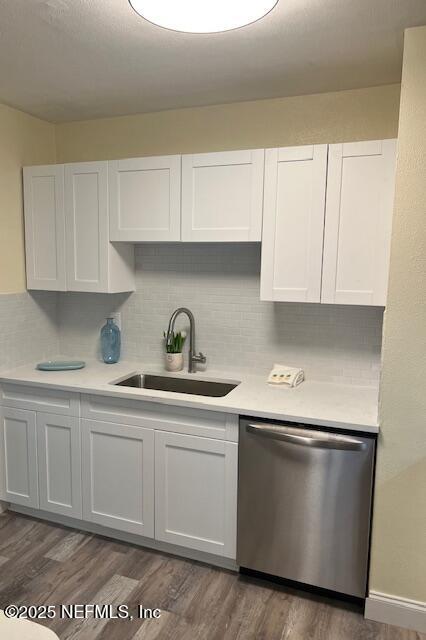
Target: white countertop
{"x":319,"y":403}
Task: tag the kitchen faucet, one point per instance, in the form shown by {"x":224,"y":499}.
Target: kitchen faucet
{"x":193,"y":359}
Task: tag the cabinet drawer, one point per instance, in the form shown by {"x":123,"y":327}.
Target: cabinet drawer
{"x":39,"y":399}
{"x":210,"y":424}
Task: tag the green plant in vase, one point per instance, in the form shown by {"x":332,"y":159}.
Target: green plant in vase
{"x":174,"y":346}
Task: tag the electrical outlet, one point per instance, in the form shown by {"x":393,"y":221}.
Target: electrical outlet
{"x":117,"y":318}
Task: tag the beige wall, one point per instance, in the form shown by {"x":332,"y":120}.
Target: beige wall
{"x":361,"y":114}
{"x":24,"y":140}
{"x":399,"y":531}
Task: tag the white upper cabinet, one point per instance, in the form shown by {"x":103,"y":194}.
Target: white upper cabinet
{"x":327,"y":216}
{"x":93,"y":263}
{"x":293,"y":223}
{"x":360,"y":192}
{"x":222,"y":196}
{"x":67,"y":240}
{"x":86,"y":214}
{"x":45,"y":227}
{"x":145,"y":198}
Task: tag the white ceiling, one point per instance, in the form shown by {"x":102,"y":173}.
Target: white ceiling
{"x":75,"y":59}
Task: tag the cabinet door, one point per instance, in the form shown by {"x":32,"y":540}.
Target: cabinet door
{"x":59,"y":464}
{"x":293,"y":223}
{"x":45,"y":227}
{"x":144,"y":198}
{"x":222,"y":196}
{"x":360,"y":191}
{"x":118,"y":476}
{"x":18,"y":454}
{"x":86,"y":212}
{"x":196,"y":492}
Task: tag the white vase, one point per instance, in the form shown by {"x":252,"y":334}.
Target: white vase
{"x":174,"y":361}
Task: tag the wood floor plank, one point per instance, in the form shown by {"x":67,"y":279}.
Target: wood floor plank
{"x":21,"y":534}
{"x":142,"y":566}
{"x":273,"y":619}
{"x":69,"y":581}
{"x":159,"y":579}
{"x":163,"y":582}
{"x":78,"y":580}
{"x":168,"y":627}
{"x":251,"y":601}
{"x":191,"y":587}
{"x":42,"y":563}
{"x":348,"y":623}
{"x":308,"y":620}
{"x":388,"y":632}
{"x":114,"y":592}
{"x":211,"y":602}
{"x":67,"y":547}
{"x":4,"y":518}
{"x":26,"y":563}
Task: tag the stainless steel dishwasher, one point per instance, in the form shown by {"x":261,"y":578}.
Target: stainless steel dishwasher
{"x":304,"y":504}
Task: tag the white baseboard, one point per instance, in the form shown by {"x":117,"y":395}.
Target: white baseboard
{"x":401,"y":612}
{"x":3,"y":506}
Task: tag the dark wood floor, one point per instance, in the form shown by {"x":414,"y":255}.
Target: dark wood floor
{"x":42,"y":564}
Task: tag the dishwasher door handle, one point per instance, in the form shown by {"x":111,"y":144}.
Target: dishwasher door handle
{"x":307,"y":438}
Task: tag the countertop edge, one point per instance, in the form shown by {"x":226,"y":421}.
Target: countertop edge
{"x":177,"y":400}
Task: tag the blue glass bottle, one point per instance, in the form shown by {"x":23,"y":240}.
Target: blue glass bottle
{"x":110,"y":342}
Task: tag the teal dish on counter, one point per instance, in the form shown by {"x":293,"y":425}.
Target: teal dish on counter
{"x":61,"y":365}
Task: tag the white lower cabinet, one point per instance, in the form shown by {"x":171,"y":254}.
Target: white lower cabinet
{"x":59,"y":464}
{"x":18,"y":453}
{"x":196,"y":492}
{"x":118,"y":476}
{"x":174,"y":487}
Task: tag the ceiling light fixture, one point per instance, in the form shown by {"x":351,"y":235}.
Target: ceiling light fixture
{"x":202,"y":16}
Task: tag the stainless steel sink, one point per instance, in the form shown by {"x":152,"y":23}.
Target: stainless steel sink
{"x":179,"y":385}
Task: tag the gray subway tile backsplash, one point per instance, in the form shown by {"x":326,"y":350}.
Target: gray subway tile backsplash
{"x":28,"y":327}
{"x":220,"y":284}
